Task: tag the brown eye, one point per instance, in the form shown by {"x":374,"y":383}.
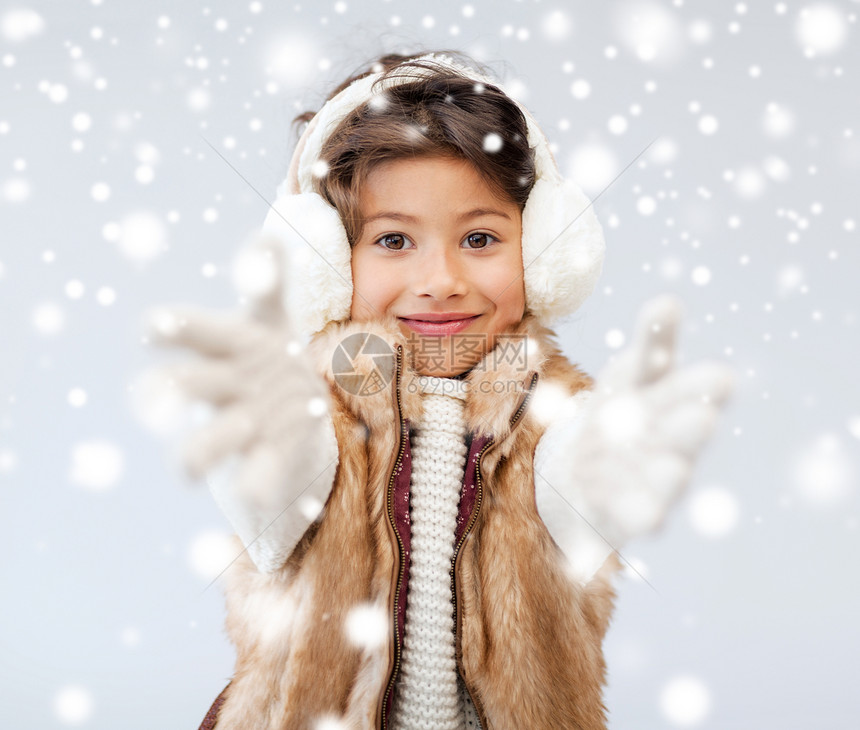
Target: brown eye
{"x":481,"y":239}
{"x":393,"y":242}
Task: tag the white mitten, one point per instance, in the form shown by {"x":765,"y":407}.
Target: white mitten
{"x":616,"y":459}
{"x":271,"y":419}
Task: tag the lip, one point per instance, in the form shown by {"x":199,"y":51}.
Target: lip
{"x":439,"y":323}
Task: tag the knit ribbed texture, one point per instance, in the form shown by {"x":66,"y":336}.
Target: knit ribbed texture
{"x":429,"y":696}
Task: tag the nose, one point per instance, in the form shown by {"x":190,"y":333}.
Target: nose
{"x":439,"y":274}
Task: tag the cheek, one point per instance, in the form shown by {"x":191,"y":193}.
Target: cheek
{"x":372,"y":288}
{"x":512,"y":304}
{"x":507,"y":289}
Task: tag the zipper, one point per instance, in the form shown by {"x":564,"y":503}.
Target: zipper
{"x":519,"y":412}
{"x":457,"y":613}
{"x":391,"y":519}
{"x":514,"y":421}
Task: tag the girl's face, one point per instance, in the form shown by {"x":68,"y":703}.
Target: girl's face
{"x":442,"y":254}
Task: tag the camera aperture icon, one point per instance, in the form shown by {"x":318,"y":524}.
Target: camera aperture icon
{"x":363,"y":364}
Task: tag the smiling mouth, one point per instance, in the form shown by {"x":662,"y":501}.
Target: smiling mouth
{"x":439,"y":324}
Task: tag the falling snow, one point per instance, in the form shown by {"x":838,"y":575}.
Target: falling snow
{"x":8,"y":461}
{"x":823,"y":472}
{"x":580,"y":89}
{"x":329,"y":722}
{"x":492,"y":142}
{"x":209,"y":553}
{"x":291,"y":59}
{"x":21,"y":25}
{"x":77,"y":397}
{"x":48,"y":318}
{"x":708,"y":124}
{"x":367,"y":625}
{"x":557,"y":25}
{"x":714,"y":512}
{"x":649,"y":31}
{"x":96,"y":465}
{"x":319,"y":168}
{"x":16,"y":190}
{"x":720,"y":147}
{"x":778,"y":121}
{"x":141,"y":236}
{"x":73,"y":705}
{"x":100,"y":192}
{"x":593,"y":166}
{"x":821,"y":28}
{"x":158,"y":405}
{"x":130,"y":637}
{"x":685,"y":701}
{"x":254,"y":272}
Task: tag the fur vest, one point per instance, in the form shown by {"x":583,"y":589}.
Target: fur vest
{"x":528,"y":638}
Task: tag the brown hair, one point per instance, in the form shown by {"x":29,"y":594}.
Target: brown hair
{"x":440,"y":113}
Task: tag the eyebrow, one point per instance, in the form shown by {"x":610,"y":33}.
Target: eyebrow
{"x":474,"y":213}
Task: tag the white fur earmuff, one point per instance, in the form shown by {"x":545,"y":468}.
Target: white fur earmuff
{"x":562,"y":242}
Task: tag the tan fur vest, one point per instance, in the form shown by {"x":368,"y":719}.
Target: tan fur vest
{"x":529,"y":640}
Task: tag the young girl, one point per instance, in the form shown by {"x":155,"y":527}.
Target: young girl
{"x":430,"y":495}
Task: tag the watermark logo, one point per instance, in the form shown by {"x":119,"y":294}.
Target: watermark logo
{"x":363,"y":364}
{"x":458,"y":353}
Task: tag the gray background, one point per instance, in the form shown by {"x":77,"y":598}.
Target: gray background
{"x":106,"y":619}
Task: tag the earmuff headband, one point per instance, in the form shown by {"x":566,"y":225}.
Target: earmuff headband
{"x":563,"y":245}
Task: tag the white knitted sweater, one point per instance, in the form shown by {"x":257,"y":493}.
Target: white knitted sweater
{"x":430,"y":694}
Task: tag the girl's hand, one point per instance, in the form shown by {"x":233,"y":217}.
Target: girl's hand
{"x":271,"y":409}
{"x":629,"y":451}
{"x":647,"y":424}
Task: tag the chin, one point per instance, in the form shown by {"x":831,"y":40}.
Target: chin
{"x":443,"y":372}
{"x":439,"y":364}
